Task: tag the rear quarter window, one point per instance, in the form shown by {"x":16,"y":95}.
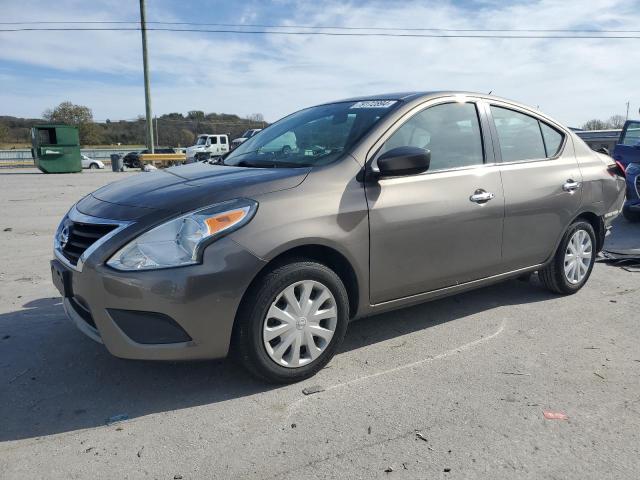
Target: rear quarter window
{"x":552,"y":139}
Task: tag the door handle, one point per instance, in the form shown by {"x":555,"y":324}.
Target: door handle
{"x":571,"y":186}
{"x":481,"y":196}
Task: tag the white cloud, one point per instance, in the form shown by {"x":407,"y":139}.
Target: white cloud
{"x":572,"y":80}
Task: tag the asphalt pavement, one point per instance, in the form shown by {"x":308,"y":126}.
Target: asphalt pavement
{"x":455,"y":388}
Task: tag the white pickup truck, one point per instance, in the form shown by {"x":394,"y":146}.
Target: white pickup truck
{"x":208,"y":146}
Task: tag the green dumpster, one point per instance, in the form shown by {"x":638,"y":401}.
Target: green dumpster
{"x":56,"y":148}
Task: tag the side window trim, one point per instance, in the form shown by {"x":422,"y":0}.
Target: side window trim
{"x":490,"y":133}
{"x":513,"y":108}
{"x":483,"y":122}
{"x":544,"y":141}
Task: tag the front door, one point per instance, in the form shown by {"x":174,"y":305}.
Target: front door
{"x":442,"y":227}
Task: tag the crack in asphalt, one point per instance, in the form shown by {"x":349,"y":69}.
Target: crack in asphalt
{"x":467,"y":346}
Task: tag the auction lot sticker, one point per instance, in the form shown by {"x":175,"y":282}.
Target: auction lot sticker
{"x":374,"y":104}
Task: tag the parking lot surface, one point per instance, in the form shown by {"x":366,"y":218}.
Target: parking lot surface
{"x":455,"y":388}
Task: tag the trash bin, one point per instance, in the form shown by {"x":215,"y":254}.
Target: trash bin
{"x":56,"y":148}
{"x":116,"y":163}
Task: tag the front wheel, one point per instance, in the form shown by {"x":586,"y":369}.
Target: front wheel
{"x":93,"y":166}
{"x":572,"y":263}
{"x":291,"y":322}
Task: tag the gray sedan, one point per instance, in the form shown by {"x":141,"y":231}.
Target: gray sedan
{"x":385,"y":202}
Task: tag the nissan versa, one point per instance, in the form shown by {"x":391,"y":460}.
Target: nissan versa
{"x":335,"y":212}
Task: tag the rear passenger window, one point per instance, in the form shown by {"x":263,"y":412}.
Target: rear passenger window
{"x":451,"y":131}
{"x":519,"y":135}
{"x":223,"y":140}
{"x":552,"y":139}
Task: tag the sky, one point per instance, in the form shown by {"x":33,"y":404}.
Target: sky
{"x":573,"y":80}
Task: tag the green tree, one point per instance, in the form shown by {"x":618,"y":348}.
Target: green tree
{"x":172,"y":116}
{"x":187,"y":138}
{"x":4,"y":133}
{"x":195,"y":115}
{"x":77,"y":115}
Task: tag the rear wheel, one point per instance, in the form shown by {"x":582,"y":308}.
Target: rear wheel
{"x":292,"y":322}
{"x":573,"y":262}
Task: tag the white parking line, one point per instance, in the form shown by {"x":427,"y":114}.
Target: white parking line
{"x":467,"y":346}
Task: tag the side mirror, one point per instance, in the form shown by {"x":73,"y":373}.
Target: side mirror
{"x":404,"y":161}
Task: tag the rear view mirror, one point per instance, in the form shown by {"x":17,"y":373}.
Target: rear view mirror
{"x":404,"y":161}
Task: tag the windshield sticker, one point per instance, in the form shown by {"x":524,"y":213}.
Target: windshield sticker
{"x":374,"y":104}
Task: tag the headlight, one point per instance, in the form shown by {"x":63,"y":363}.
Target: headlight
{"x":181,"y":241}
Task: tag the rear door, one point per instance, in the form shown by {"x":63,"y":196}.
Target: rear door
{"x":542,"y":184}
{"x":426,"y":231}
{"x":628,"y":149}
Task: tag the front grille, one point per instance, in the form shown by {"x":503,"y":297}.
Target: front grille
{"x":81,"y":237}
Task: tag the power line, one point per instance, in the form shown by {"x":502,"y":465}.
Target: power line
{"x":322,"y":27}
{"x":327,"y":34}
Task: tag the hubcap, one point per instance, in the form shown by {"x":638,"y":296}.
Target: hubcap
{"x":577,"y":257}
{"x":300,"y":324}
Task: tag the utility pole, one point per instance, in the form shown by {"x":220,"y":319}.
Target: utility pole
{"x":627,"y":118}
{"x":145,"y":63}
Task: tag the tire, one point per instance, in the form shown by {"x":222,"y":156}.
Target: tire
{"x":286,"y":150}
{"x":93,"y":166}
{"x":136,"y":164}
{"x":554,"y":276}
{"x":630,"y":216}
{"x":254,"y":318}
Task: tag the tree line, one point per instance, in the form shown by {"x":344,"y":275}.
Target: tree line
{"x":614,"y":122}
{"x":173,"y":129}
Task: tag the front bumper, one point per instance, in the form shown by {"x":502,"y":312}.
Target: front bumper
{"x":199,"y":300}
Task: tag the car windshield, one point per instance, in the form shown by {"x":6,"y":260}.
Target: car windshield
{"x":311,"y":137}
{"x":201,"y":141}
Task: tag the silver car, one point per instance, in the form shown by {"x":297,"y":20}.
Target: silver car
{"x":385,"y":202}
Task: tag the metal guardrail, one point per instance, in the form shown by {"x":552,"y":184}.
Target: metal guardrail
{"x":22,"y":157}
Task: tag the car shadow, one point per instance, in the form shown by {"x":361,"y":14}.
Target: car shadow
{"x":56,"y":380}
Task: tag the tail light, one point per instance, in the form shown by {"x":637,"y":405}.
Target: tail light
{"x":616,"y":169}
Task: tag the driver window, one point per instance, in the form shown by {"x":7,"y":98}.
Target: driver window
{"x":450,"y":131}
{"x":632,"y":134}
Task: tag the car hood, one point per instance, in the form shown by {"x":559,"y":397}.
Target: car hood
{"x":185,"y":188}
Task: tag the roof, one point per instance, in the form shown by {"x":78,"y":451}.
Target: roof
{"x":54,"y":125}
{"x":387,"y":96}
